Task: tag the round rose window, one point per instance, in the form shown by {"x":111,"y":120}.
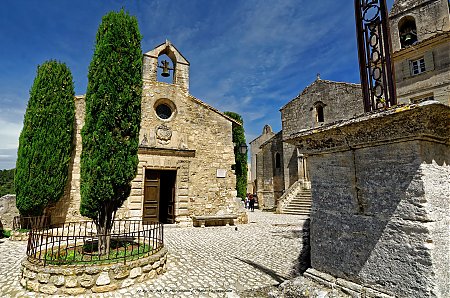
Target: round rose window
{"x":163,"y":111}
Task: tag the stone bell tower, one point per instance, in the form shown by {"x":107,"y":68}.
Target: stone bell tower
{"x":413,"y":21}
{"x":180,"y":66}
{"x":420,"y":34}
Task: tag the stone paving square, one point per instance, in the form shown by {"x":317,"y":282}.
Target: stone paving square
{"x":202,"y":262}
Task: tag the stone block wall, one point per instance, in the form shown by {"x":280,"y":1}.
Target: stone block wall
{"x":199,"y":145}
{"x":340,"y":101}
{"x":431,"y":17}
{"x":8,"y":210}
{"x":255,"y":144}
{"x":89,"y":279}
{"x":68,"y":207}
{"x":270,"y":179}
{"x":380,"y":198}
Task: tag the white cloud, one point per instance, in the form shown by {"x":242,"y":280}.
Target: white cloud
{"x":9,"y":134}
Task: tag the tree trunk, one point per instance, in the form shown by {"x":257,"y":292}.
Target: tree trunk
{"x":104,"y":225}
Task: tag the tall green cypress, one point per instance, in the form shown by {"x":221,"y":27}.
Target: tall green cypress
{"x":45,"y":143}
{"x":113,"y":113}
{"x":240,"y":159}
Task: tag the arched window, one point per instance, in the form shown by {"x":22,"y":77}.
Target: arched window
{"x":277,"y":160}
{"x":407,"y":31}
{"x":319,"y":114}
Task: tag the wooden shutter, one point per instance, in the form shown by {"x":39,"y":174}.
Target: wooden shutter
{"x":406,"y":69}
{"x":429,"y":62}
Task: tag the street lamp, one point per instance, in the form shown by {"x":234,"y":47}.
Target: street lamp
{"x":242,"y":148}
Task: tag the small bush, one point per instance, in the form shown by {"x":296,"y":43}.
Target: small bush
{"x":6,"y":233}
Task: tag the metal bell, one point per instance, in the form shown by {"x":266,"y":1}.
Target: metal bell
{"x":165,"y":67}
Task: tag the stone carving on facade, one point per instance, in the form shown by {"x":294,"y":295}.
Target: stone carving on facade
{"x":163,"y":134}
{"x":144,"y":141}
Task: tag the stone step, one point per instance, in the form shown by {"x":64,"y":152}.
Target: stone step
{"x":301,"y":198}
{"x":297,"y":209}
{"x":297,"y":212}
{"x":300,"y":201}
{"x":298,"y":205}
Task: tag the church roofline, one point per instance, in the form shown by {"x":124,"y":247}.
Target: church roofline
{"x":318,"y":80}
{"x":195,"y":99}
{"x":271,"y":139}
{"x":154,"y":53}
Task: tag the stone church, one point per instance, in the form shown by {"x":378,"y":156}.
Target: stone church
{"x":186,"y":152}
{"x":420,"y":36}
{"x":279,"y":170}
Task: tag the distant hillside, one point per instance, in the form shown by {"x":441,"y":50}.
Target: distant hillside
{"x":6,"y":182}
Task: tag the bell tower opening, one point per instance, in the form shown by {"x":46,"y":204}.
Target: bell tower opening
{"x":407,"y":31}
{"x":166,"y":69}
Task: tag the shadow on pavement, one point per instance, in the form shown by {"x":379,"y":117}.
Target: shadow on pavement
{"x":265,"y":270}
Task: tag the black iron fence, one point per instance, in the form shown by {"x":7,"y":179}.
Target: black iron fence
{"x":79,"y":242}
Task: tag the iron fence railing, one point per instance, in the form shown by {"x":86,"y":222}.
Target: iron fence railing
{"x":78,"y":242}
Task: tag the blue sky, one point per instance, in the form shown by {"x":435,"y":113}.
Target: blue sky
{"x":247,"y":56}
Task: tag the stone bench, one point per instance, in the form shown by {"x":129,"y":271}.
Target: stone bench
{"x":214,"y":220}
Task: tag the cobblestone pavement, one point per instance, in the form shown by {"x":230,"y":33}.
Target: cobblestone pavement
{"x":202,"y":262}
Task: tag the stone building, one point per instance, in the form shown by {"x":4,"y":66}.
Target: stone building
{"x":186,"y":152}
{"x":281,"y":173}
{"x":420,"y":34}
{"x":269,"y":166}
{"x":255,"y":144}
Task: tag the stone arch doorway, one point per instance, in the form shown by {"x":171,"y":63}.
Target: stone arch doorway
{"x":159,"y":196}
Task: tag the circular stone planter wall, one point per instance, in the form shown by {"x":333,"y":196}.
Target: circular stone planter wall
{"x":88,"y":278}
{"x":19,"y":236}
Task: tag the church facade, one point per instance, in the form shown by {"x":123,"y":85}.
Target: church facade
{"x":186,"y":152}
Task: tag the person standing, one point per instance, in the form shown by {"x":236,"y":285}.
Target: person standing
{"x":252,"y":203}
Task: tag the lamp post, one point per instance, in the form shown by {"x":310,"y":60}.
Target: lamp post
{"x":243,"y":148}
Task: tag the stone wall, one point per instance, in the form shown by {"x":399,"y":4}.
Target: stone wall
{"x":8,"y":210}
{"x":270,"y":183}
{"x":431,"y":17}
{"x":68,"y":207}
{"x":432,"y":20}
{"x":255,"y":144}
{"x":340,"y":101}
{"x":89,"y":279}
{"x":381,"y":192}
{"x":200,"y":144}
{"x":434,"y":82}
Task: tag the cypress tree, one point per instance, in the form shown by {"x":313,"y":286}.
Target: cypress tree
{"x":45,"y":143}
{"x":240,"y":159}
{"x":113,"y":113}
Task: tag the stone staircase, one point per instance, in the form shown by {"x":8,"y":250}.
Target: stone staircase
{"x":296,"y":200}
{"x":300,"y":204}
